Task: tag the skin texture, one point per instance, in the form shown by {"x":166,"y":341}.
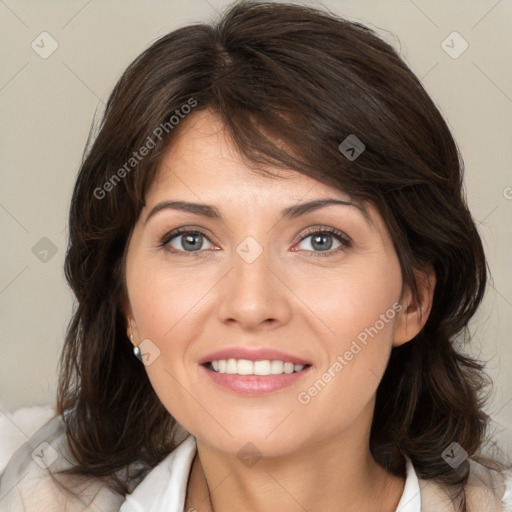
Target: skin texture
{"x":315,"y":456}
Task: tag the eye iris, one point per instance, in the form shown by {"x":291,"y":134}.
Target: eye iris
{"x":193,"y":239}
{"x":318,"y":241}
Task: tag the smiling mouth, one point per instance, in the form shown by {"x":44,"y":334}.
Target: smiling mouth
{"x":249,"y":368}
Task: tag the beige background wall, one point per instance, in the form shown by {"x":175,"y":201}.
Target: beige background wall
{"x":47,"y":105}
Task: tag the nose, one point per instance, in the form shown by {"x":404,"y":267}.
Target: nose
{"x":254,"y":294}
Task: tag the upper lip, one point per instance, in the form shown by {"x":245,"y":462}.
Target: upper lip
{"x":253,"y":354}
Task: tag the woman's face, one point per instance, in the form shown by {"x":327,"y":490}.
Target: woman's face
{"x":247,"y":282}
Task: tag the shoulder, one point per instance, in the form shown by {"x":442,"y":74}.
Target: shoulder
{"x":31,"y":479}
{"x":487,"y":490}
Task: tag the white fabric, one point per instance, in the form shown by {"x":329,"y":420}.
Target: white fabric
{"x":33,"y":480}
{"x":165,"y":487}
{"x":17,"y":427}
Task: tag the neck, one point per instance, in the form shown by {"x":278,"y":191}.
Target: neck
{"x":333,"y":475}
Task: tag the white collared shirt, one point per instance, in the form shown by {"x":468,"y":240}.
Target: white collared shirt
{"x":164,"y":488}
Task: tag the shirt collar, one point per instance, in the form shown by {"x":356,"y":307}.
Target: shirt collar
{"x":165,"y":486}
{"x":411,"y":497}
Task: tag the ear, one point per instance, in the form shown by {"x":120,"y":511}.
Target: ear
{"x":414,"y":314}
{"x":130,"y":320}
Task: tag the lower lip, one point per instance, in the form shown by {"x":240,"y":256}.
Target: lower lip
{"x":254,"y":384}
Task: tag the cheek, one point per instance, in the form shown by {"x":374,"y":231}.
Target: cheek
{"x":162,"y":296}
{"x":366,"y":310}
{"x":353,"y":298}
{"x":358,"y":308}
{"x":166,"y":305}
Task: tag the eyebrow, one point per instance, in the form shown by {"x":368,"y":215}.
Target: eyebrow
{"x":291,"y":212}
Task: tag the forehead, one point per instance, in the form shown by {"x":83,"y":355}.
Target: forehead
{"x":202,"y":155}
{"x":202,"y":165}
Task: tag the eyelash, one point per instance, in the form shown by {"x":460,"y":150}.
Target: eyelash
{"x":338,"y":235}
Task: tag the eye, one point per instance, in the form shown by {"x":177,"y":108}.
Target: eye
{"x":184,"y":240}
{"x":321,"y":241}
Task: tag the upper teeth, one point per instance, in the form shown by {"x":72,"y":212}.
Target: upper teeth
{"x":246,"y":367}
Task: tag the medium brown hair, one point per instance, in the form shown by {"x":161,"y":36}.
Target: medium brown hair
{"x":280,"y":73}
